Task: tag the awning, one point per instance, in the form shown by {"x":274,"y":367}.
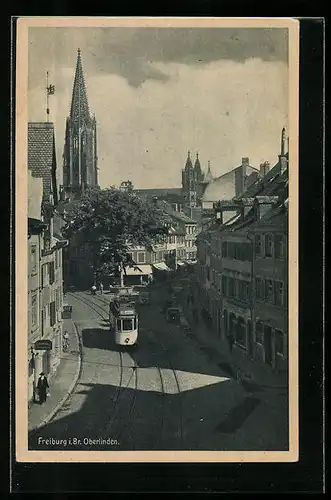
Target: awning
{"x":161,"y":266}
{"x":145,"y":269}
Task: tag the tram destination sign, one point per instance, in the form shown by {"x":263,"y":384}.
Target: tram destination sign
{"x":43,"y":345}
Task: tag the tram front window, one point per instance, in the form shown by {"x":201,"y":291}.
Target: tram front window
{"x":119,"y":325}
{"x":127,"y":324}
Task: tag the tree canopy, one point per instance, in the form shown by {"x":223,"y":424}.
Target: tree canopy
{"x":109,"y":222}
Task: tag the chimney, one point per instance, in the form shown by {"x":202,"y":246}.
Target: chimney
{"x":282,"y":157}
{"x":264,"y":168}
{"x":219,"y":216}
{"x":282,"y":145}
{"x":245,"y":162}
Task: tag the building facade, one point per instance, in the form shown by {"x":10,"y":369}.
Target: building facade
{"x":35,"y":235}
{"x":242,"y":269}
{"x":45,"y":257}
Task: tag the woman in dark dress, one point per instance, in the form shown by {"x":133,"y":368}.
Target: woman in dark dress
{"x":42,"y":387}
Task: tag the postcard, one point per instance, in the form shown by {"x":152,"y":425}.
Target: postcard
{"x":156,"y":239}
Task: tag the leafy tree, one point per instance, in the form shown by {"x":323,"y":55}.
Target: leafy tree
{"x":108,"y":222}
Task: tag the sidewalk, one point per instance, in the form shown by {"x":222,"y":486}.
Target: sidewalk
{"x":61,"y":383}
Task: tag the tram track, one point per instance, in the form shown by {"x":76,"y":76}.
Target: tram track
{"x":121,"y":389}
{"x":106,"y":301}
{"x":102,"y":310}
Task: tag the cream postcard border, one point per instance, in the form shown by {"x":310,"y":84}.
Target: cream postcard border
{"x":22,"y":454}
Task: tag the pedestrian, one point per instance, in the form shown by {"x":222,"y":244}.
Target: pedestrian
{"x":42,"y":388}
{"x":101,"y":288}
{"x":93,"y":290}
{"x":231,"y":341}
{"x":65,"y":340}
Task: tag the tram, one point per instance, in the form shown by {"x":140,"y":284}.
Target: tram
{"x":123,"y":321}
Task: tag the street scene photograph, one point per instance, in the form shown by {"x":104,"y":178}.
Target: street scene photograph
{"x":158,"y":247}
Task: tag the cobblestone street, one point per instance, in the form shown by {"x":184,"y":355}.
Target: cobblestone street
{"x":168,"y":393}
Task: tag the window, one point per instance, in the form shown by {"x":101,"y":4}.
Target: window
{"x":56,"y":259}
{"x":224,"y":285}
{"x":224,"y":249}
{"x":52,"y":314}
{"x":118,"y":325}
{"x":51,"y":272}
{"x":231,"y":287}
{"x":259,"y":283}
{"x":279,"y":293}
{"x":259,"y":332}
{"x":127,"y":325}
{"x":258,"y":244}
{"x":247,"y":291}
{"x":130,"y":255}
{"x":241,"y":332}
{"x":34,"y":310}
{"x":279,"y":246}
{"x":268,"y":245}
{"x":141,"y":257}
{"x":243,"y":290}
{"x":230,"y":250}
{"x":269,"y":291}
{"x":280,"y":347}
{"x":33,"y":259}
{"x":43,"y":321}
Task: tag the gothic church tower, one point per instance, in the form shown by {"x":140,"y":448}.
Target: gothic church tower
{"x":80,"y":148}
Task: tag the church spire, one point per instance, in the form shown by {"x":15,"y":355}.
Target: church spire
{"x":188,"y":161}
{"x":197,"y":167}
{"x":79,"y":104}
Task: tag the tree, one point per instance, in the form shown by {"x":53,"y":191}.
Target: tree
{"x":108,"y":222}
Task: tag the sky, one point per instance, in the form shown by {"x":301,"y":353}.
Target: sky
{"x":158,"y":92}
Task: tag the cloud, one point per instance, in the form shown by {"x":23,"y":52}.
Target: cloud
{"x":133,"y":52}
{"x":224,"y":109}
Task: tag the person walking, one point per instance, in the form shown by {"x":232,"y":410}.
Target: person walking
{"x":101,"y":288}
{"x":230,"y":341}
{"x":42,"y":387}
{"x":93,"y":290}
{"x":65,"y":341}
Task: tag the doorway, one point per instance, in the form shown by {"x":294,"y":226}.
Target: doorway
{"x":249,"y":339}
{"x":268,"y":345}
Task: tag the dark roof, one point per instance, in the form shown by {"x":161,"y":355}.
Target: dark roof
{"x":41,"y":154}
{"x":277,"y":217}
{"x":154,"y":192}
{"x":271,"y":184}
{"x":180,"y":216}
